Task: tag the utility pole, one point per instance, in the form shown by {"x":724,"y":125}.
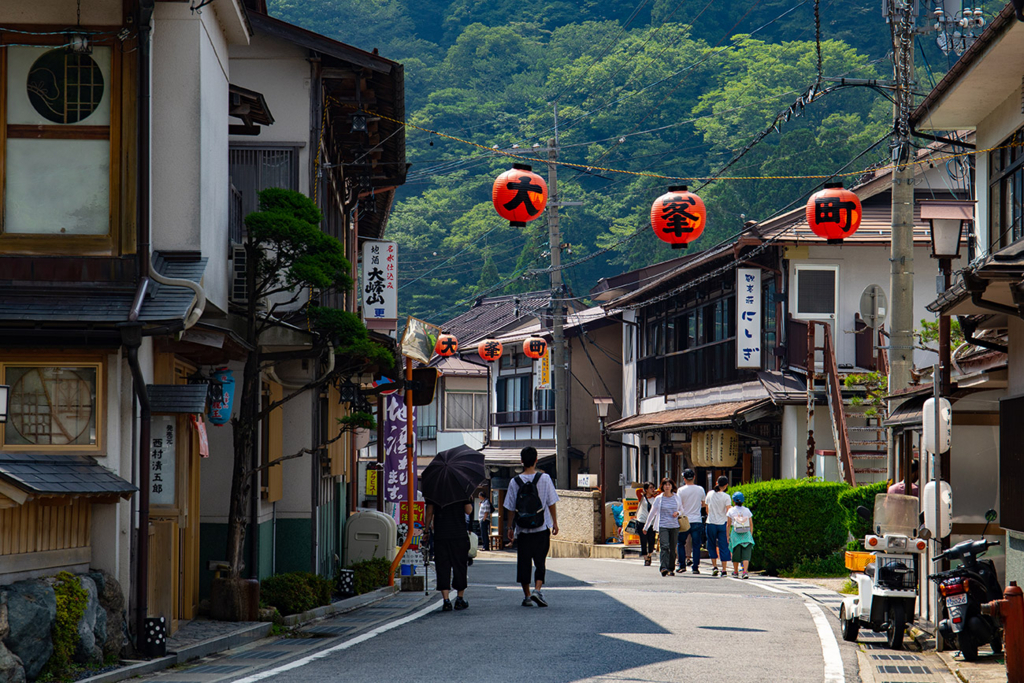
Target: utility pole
{"x":901,"y":279}
{"x":558,"y":355}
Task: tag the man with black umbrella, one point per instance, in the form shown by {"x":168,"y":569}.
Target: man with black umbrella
{"x":451,"y":549}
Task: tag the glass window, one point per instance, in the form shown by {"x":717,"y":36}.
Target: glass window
{"x":254,"y":169}
{"x":1006,"y":193}
{"x":52,"y":405}
{"x":465,"y":411}
{"x":815,"y":292}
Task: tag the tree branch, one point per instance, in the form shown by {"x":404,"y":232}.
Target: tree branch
{"x":304,"y":451}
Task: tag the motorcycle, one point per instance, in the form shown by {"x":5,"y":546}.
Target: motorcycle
{"x":887,"y":588}
{"x":964,"y":589}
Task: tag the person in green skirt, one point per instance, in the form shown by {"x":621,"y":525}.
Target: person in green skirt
{"x":739,"y":530}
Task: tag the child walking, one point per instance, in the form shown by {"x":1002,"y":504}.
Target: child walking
{"x":740,"y":531}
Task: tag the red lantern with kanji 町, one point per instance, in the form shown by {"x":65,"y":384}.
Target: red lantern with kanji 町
{"x":678,"y":217}
{"x":489,"y":349}
{"x":834,"y":213}
{"x":535,"y":347}
{"x":519,"y":195}
{"x":447,"y":345}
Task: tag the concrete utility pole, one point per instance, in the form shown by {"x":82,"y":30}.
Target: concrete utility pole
{"x":901,"y":279}
{"x":558,"y":355}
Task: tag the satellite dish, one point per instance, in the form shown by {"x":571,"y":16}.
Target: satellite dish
{"x":873,"y":306}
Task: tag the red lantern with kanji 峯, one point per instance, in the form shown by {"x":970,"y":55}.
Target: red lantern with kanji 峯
{"x":447,"y":345}
{"x":489,"y":349}
{"x":519,"y":195}
{"x":834,"y":213}
{"x":535,"y":347}
{"x":678,"y":217}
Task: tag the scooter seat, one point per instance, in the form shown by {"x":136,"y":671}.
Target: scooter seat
{"x":869,"y":569}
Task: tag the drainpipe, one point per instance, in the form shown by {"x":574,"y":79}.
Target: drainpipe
{"x":969,"y":328}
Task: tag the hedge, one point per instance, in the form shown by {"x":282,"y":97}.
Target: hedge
{"x":371,"y":574}
{"x":794,"y":519}
{"x":851,"y":499}
{"x":295,"y":592}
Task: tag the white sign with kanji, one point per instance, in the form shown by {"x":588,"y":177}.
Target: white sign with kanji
{"x":748,"y":317}
{"x":163,"y":442}
{"x":379,"y":289}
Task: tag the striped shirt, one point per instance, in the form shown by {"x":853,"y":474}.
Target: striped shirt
{"x":669,"y":506}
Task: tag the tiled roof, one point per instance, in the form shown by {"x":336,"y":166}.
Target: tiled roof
{"x":166,"y":302}
{"x":61,"y":475}
{"x":718,"y":413}
{"x":783,"y":387}
{"x":491,"y":315}
{"x":572,"y":321}
{"x":875,"y":227}
{"x":457,"y":367}
{"x":177,"y":398}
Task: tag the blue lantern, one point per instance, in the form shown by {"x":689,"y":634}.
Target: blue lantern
{"x":219,"y":411}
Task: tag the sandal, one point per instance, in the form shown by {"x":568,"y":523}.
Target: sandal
{"x":647,"y":561}
{"x":664,"y":572}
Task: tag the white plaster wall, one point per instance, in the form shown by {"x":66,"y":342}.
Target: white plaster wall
{"x":296,"y":501}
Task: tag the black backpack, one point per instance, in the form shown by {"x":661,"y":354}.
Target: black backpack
{"x":529,"y":507}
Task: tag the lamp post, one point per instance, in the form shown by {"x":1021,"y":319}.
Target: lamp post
{"x":602,"y":403}
{"x":5,"y":392}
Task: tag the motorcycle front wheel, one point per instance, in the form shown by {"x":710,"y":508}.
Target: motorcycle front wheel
{"x":897,"y":625}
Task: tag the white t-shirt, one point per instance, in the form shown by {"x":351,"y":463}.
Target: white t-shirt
{"x":718,"y":503}
{"x":691,"y":496}
{"x":548,"y":496}
{"x":740,"y":515}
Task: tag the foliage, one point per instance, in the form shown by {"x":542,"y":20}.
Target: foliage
{"x":72,"y":600}
{"x":799,"y":518}
{"x":833,"y":564}
{"x":853,"y":498}
{"x":877,"y":386}
{"x":929,"y":332}
{"x":295,"y":592}
{"x":350,"y":337}
{"x":357,"y":420}
{"x":849,"y":588}
{"x":371,"y":574}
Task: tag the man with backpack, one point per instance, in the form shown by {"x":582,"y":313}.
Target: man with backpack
{"x":532,"y":519}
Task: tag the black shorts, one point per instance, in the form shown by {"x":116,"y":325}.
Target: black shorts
{"x":531,"y":550}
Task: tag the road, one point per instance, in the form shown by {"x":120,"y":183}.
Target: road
{"x":608,"y":620}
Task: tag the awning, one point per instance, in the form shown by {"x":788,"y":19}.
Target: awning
{"x":783,"y":387}
{"x":510,"y":457}
{"x":177,"y":398}
{"x":25,"y":475}
{"x":908,"y":414}
{"x":715,"y":414}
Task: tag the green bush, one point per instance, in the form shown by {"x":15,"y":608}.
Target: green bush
{"x":850,"y":499}
{"x":371,"y":574}
{"x":833,"y":564}
{"x":71,"y":603}
{"x":794,"y":519}
{"x":295,"y":592}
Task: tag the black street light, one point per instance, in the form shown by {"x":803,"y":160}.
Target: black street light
{"x":602,"y":403}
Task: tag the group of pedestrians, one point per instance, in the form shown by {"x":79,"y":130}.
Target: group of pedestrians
{"x":676,"y":515}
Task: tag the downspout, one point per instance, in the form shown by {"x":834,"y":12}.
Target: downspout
{"x":969,"y":328}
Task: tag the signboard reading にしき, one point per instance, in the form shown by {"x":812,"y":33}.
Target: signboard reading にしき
{"x":378,"y":292}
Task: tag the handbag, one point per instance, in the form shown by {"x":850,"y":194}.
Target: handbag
{"x":684,"y":523}
{"x":474,"y":544}
{"x":633,"y":527}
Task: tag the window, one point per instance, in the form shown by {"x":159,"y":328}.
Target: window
{"x":513,"y":393}
{"x":1006,"y":192}
{"x":816,"y":291}
{"x":53,"y":407}
{"x":60,"y":148}
{"x":253,"y":169}
{"x":426,"y":421}
{"x":465,"y":411}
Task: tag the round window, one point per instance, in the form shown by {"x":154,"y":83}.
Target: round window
{"x":65,"y":87}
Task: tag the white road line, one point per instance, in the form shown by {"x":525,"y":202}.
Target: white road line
{"x":760,"y":584}
{"x":829,"y":645}
{"x":341,"y":646}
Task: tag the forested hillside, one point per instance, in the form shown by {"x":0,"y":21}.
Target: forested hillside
{"x":671,"y":87}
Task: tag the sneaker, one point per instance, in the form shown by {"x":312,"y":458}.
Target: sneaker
{"x":736,"y":575}
{"x":461,"y":604}
{"x":696,"y":571}
{"x":746,"y":575}
{"x":714,"y":572}
{"x":689,"y":562}
{"x":527,"y":602}
{"x":538,"y":598}
{"x":447,"y":606}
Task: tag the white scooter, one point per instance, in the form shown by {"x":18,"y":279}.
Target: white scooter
{"x":887,"y":588}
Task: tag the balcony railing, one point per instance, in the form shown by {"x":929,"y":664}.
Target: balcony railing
{"x":236,"y":221}
{"x":426,"y":431}
{"x":523,"y":417}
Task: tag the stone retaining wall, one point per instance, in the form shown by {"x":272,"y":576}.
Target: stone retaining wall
{"x":579,"y":520}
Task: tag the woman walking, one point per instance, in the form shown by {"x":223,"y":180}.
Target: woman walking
{"x":664,"y":516}
{"x":718,"y":502}
{"x":646,"y":495}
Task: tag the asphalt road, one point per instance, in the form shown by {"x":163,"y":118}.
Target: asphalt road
{"x":608,"y":620}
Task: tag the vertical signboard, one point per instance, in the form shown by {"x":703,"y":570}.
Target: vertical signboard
{"x":379,"y":288}
{"x":542,"y":367}
{"x":162,"y":457}
{"x":748,"y":317}
{"x":396,"y":460}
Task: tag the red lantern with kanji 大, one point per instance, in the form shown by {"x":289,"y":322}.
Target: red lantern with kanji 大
{"x":834,"y":213}
{"x":519,"y":195}
{"x":447,"y":345}
{"x":678,"y":217}
{"x":535,"y":347}
{"x":489,"y":349}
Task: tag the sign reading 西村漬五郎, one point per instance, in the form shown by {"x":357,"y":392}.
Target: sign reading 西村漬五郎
{"x":748,"y":317}
{"x":378,"y":291}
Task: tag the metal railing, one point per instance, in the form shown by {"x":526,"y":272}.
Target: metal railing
{"x":236,"y":221}
{"x":426,"y":431}
{"x":834,"y":392}
{"x":523,"y":417}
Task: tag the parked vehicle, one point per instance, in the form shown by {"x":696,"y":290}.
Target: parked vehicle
{"x":964,"y":589}
{"x":887,"y":588}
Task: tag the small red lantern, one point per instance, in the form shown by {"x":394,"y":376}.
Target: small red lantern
{"x":535,"y":347}
{"x":447,"y":345}
{"x":834,"y":213}
{"x":678,"y":217}
{"x":519,"y":195}
{"x":489,"y":349}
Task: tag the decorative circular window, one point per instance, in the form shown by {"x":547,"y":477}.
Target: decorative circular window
{"x":65,"y":87}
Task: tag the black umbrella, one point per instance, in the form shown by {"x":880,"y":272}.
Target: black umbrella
{"x":452,"y":476}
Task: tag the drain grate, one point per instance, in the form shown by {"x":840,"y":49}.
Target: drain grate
{"x":215,"y":669}
{"x":264,"y":654}
{"x":898,"y":658}
{"x":903,"y":669}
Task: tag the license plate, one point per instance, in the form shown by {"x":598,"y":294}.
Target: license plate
{"x":954,"y":600}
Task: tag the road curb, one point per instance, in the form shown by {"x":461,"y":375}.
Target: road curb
{"x":340,"y":607}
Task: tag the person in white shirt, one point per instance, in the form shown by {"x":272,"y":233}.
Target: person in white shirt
{"x":534,"y":535}
{"x":718,"y":503}
{"x":645,"y":496}
{"x":664,"y":516}
{"x":691,"y":497}
{"x":483,"y":515}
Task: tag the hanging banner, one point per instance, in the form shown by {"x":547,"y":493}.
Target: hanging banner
{"x":396,"y":456}
{"x":204,"y":441}
{"x":748,"y":317}
{"x":379,"y":290}
{"x":371,"y":482}
{"x":543,"y":367}
{"x":162,"y":459}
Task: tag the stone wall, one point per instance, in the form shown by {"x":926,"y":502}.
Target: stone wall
{"x":578,"y":518}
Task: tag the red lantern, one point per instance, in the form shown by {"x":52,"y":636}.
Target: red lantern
{"x":535,"y":347}
{"x":519,"y":195}
{"x":678,"y":217}
{"x":447,"y":345}
{"x":834,"y":213}
{"x":489,"y":349}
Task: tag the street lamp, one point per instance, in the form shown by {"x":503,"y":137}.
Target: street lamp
{"x":602,"y":403}
{"x":5,"y":392}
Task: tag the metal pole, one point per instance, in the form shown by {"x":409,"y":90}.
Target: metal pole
{"x":558,"y":355}
{"x":945,"y":265}
{"x":937,"y":536}
{"x":381,"y":413}
{"x":601,"y":485}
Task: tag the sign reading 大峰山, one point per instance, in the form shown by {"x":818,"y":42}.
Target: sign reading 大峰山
{"x":379,"y":289}
{"x":748,"y":318}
